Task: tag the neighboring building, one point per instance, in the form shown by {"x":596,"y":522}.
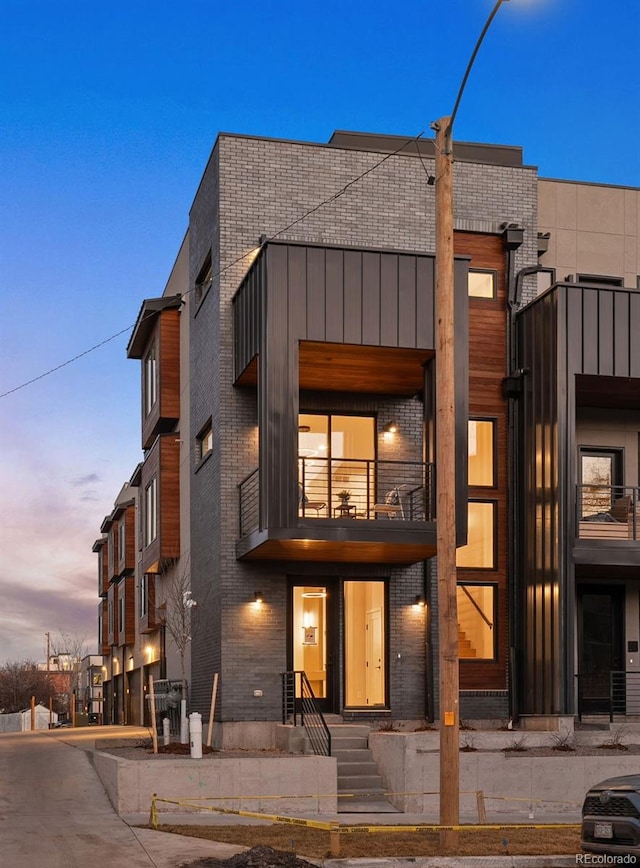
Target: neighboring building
{"x":89,"y":688}
{"x":290,"y":362}
{"x":143,"y":552}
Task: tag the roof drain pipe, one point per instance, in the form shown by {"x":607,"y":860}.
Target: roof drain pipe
{"x":512,"y":238}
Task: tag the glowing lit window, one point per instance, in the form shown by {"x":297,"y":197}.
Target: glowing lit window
{"x":476,"y":619}
{"x":479,"y":553}
{"x":482,"y":284}
{"x":204,"y":442}
{"x":481,"y":469}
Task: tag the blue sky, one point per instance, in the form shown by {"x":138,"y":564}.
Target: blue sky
{"x":108,"y":114}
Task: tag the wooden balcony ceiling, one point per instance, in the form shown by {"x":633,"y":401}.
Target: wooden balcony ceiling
{"x":621,"y":393}
{"x":354,"y":368}
{"x":340,"y":551}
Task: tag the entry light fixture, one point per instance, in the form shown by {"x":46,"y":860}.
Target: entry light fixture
{"x":389,"y":431}
{"x":420,"y":602}
{"x":258,"y":598}
{"x":304,"y":429}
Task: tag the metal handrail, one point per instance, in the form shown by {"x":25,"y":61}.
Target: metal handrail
{"x":610,"y":509}
{"x":297,"y":692}
{"x":477,"y":607}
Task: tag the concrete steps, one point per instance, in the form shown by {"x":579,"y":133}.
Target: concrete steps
{"x":360,"y":785}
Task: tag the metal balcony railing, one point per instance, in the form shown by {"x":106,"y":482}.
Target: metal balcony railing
{"x":351,"y":488}
{"x":608,"y":512}
{"x":609,"y":693}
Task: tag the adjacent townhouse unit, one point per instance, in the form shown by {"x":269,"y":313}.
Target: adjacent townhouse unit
{"x":285,"y":505}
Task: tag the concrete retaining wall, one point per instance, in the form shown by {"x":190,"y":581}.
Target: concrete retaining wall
{"x":511,"y":782}
{"x":309,"y":783}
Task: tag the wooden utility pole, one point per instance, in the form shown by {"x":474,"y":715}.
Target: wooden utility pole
{"x":446,"y":489}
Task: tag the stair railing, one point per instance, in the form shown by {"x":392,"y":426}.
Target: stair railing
{"x":299,"y":700}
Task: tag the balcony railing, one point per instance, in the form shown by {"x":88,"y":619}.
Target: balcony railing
{"x":351,"y":489}
{"x":608,"y":512}
{"x":609,"y":692}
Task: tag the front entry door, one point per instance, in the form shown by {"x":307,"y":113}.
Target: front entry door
{"x":312,"y":640}
{"x":600,"y":652}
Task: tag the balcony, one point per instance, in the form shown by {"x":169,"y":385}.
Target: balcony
{"x":608,"y":525}
{"x":348,"y":510}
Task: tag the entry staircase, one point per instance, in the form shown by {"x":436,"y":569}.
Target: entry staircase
{"x":360,"y":785}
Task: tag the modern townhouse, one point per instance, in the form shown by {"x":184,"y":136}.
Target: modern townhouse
{"x":288,"y":430}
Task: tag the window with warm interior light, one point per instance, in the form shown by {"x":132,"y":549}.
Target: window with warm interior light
{"x":150,"y":383}
{"x":482,"y":283}
{"x":204,"y":442}
{"x":481,"y":452}
{"x":151,"y":512}
{"x":335,"y":456}
{"x":479,"y":552}
{"x":476,"y":619}
{"x":364,"y":644}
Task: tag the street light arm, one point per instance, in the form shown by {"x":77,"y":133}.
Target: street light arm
{"x":449,"y":130}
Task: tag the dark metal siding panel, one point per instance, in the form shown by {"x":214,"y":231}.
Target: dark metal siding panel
{"x":425,"y":294}
{"x":606,"y":336}
{"x":590,"y":331}
{"x":634,"y":332}
{"x":622,"y":334}
{"x":540,"y":594}
{"x":278,"y":500}
{"x":315,"y":295}
{"x":296,"y":294}
{"x":334,"y":296}
{"x":247,"y":309}
{"x":389,"y":300}
{"x":371,"y":298}
{"x":407,"y":301}
{"x":352,"y":297}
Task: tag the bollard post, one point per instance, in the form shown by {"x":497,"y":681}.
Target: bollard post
{"x":482,"y":811}
{"x":195,"y":735}
{"x":153,"y":814}
{"x":334,"y":841}
{"x":166,"y":735}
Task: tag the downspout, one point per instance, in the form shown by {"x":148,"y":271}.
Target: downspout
{"x":429,"y":710}
{"x":512,"y":238}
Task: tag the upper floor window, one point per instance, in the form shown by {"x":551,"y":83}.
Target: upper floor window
{"x":143,"y":596}
{"x":482,"y":283}
{"x":150,"y":380}
{"x":122,"y":539}
{"x":204,"y":279}
{"x":151,"y":512}
{"x":481,"y":469}
{"x":480,"y":551}
{"x":121,"y":612}
{"x":204,"y":442}
{"x":110,"y":617}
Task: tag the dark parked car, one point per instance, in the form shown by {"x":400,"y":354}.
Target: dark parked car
{"x":611,"y":817}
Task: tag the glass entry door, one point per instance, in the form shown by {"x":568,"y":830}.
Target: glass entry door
{"x":600,"y":637}
{"x":365,"y":645}
{"x":312,"y":635}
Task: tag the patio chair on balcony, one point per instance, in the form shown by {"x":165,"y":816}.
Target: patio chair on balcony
{"x":306,"y":504}
{"x":392,"y":506}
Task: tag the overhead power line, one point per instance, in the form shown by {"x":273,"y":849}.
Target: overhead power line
{"x":238,"y":259}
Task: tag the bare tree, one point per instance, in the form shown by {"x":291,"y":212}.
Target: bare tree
{"x":19,"y":681}
{"x":175,"y":611}
{"x":70,"y":648}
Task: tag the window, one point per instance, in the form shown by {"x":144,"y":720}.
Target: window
{"x":121,"y":612}
{"x":481,"y":452}
{"x":122,"y":539}
{"x":602,"y":279}
{"x":204,"y":442}
{"x":482,"y":283}
{"x":479,"y":552}
{"x":143,"y":596}
{"x":204,"y":279}
{"x":110,"y":617}
{"x":151,"y":512}
{"x":600,"y":477}
{"x":476,"y":619}
{"x":150,"y":380}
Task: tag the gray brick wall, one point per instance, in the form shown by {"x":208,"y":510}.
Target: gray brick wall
{"x":252,"y":187}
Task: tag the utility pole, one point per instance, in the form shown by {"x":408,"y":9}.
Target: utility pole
{"x":48,"y":635}
{"x":446,"y":490}
{"x":446,"y":471}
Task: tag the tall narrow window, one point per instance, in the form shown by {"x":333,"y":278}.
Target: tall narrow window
{"x":204,"y":279}
{"x":122,"y":539}
{"x":143,"y":595}
{"x":476,"y":620}
{"x":364,"y":638}
{"x":479,"y":553}
{"x":121,"y":611}
{"x":151,"y":512}
{"x":204,"y":442}
{"x":481,"y":452}
{"x":150,"y":380}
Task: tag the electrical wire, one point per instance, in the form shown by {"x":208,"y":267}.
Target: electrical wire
{"x":238,"y":259}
